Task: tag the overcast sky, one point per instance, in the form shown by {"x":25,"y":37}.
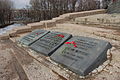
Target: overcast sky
{"x":20,"y":3}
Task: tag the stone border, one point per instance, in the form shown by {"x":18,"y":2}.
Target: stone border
{"x":49,"y":23}
{"x":109,"y":36}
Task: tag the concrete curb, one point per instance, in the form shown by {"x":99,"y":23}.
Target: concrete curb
{"x":4,"y":36}
{"x":36,"y":25}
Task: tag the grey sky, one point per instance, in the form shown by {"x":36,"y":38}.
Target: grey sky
{"x":20,"y":3}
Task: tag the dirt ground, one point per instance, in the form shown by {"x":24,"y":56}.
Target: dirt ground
{"x":17,"y":61}
{"x":7,"y":68}
{"x":112,"y":71}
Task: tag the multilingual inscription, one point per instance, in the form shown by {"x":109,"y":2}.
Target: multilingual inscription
{"x":33,"y":36}
{"x":82,"y":54}
{"x":50,"y":42}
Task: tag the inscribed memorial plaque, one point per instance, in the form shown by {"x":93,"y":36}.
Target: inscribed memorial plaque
{"x":82,"y":54}
{"x":33,"y":36}
{"x":50,"y":42}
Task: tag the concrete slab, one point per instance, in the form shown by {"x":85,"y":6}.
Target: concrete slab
{"x":50,"y":42}
{"x":32,"y":37}
{"x":82,"y":54}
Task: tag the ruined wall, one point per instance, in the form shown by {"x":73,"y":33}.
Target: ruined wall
{"x":49,"y":23}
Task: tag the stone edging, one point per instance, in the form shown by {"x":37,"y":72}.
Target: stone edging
{"x":50,"y":23}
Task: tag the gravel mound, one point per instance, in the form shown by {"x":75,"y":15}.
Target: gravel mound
{"x":114,"y":7}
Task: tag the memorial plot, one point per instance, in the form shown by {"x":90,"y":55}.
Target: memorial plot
{"x":50,"y":42}
{"x":82,"y":54}
{"x":33,"y":36}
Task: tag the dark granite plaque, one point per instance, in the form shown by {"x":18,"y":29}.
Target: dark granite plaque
{"x":50,"y":42}
{"x":82,"y":54}
{"x":33,"y":36}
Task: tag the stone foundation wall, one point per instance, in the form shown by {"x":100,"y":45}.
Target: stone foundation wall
{"x":99,"y":19}
{"x":50,"y":23}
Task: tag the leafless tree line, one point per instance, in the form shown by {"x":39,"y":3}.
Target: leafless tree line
{"x":39,"y":10}
{"x":48,"y":9}
{"x":5,"y":11}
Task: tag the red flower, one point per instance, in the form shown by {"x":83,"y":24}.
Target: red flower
{"x":37,"y":33}
{"x":71,"y":43}
{"x":60,"y":35}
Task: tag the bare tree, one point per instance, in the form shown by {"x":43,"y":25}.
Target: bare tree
{"x":5,"y":11}
{"x":47,"y":9}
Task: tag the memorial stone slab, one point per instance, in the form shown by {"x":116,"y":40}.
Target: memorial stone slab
{"x":33,"y":36}
{"x":50,"y":42}
{"x":82,"y":54}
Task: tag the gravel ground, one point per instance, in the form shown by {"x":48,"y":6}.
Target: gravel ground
{"x":39,"y":68}
{"x":112,"y":71}
{"x":7,"y":69}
